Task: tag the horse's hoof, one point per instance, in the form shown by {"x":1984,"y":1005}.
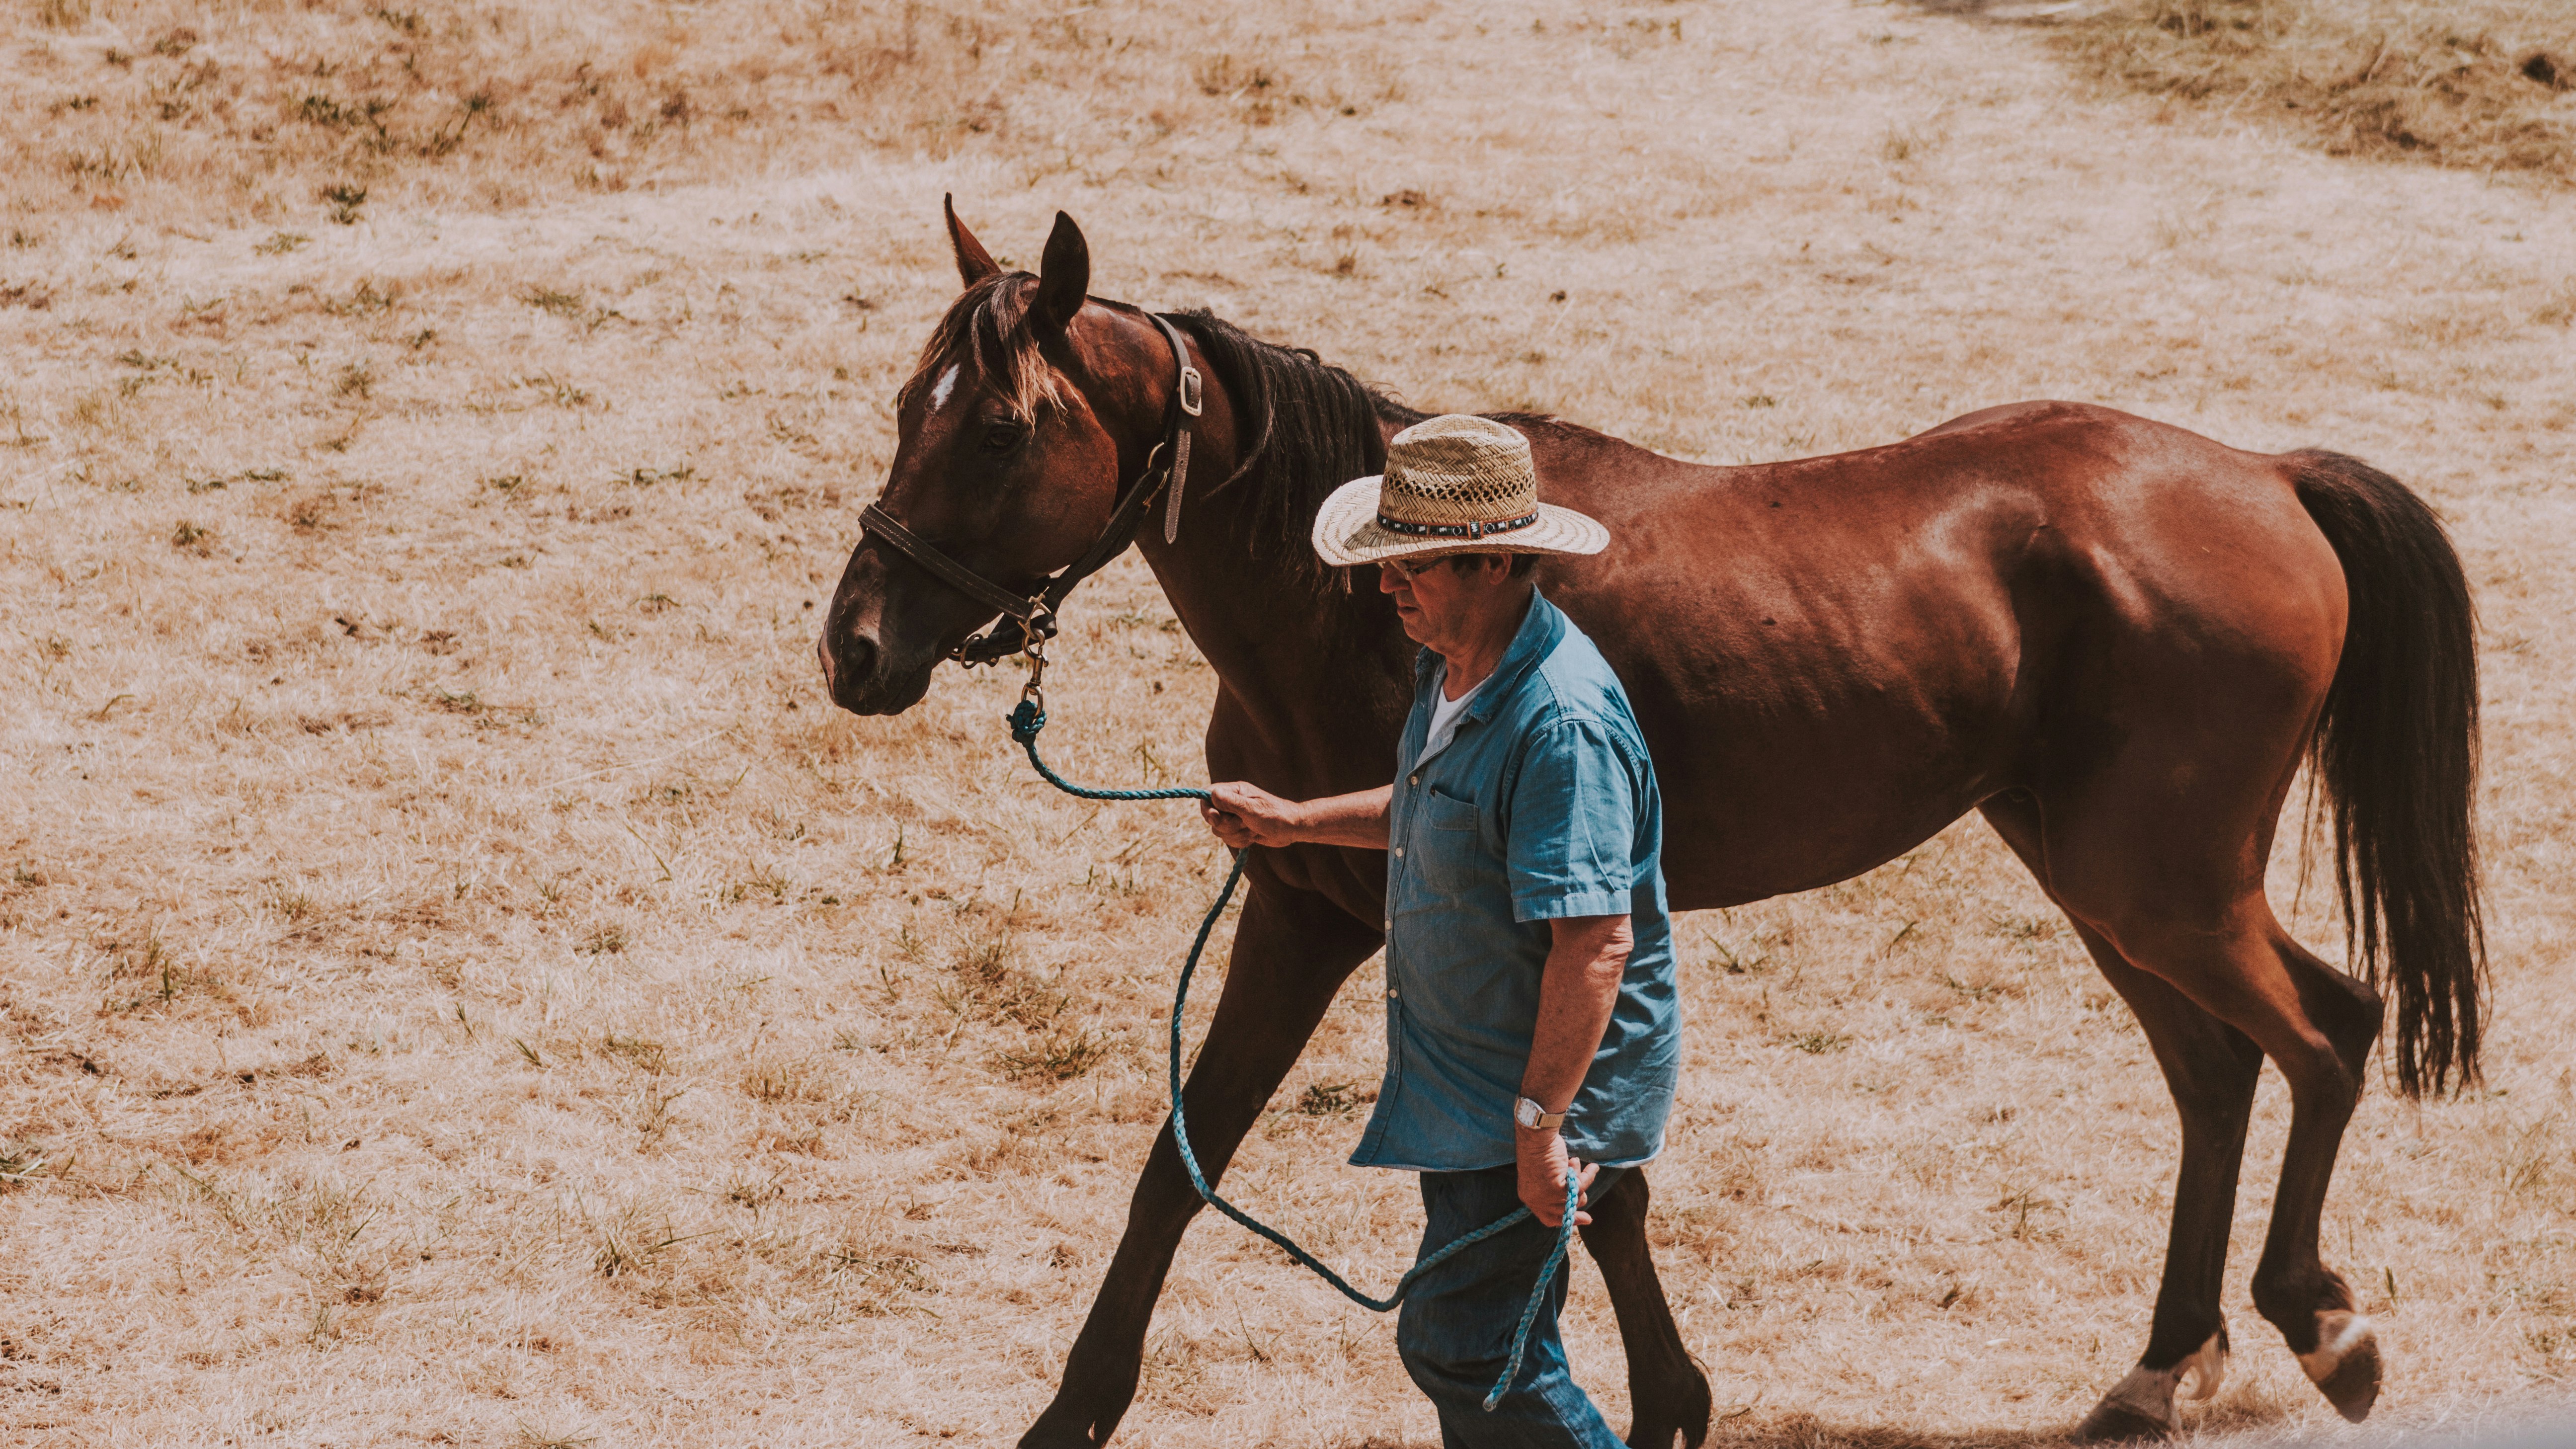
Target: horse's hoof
{"x":2345,"y":1363}
{"x":1664,"y":1432}
{"x":2138,"y":1407}
{"x":1663,"y":1417}
{"x":2116,"y":1424}
{"x":1061,"y":1431}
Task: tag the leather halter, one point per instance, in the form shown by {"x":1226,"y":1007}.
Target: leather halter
{"x":1035,"y":612}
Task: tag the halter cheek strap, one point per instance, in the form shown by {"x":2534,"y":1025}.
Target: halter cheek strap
{"x":1187,"y":395}
{"x":1034,"y":613}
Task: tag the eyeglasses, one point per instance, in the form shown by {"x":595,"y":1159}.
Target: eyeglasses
{"x":1414,"y":568}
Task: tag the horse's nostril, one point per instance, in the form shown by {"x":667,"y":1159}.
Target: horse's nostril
{"x":853,"y":664}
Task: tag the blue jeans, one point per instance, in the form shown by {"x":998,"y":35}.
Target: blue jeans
{"x":1456,"y":1327}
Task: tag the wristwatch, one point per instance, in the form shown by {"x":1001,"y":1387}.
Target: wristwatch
{"x":1535,"y":1117}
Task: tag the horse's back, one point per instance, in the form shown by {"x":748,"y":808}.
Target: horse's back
{"x":1834,"y":657}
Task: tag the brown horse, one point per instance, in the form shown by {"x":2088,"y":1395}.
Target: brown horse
{"x":2116,"y":640}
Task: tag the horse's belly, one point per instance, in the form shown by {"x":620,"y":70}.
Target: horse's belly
{"x":1771,"y":812}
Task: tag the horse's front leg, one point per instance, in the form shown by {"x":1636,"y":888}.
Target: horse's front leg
{"x":1292,"y":951}
{"x":1667,"y":1393}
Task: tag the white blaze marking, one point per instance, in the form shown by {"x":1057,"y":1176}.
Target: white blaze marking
{"x":940,"y":390}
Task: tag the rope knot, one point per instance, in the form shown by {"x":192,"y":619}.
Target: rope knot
{"x":1026,"y":721}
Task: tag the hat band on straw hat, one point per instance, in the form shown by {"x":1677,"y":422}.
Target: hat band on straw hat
{"x":1454,"y":530}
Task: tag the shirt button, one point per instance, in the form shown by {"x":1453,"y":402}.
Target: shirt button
{"x":1390,"y":993}
{"x":1413,"y":779}
{"x":1399,"y":852}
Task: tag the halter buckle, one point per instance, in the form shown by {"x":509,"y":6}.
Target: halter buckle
{"x":1193,"y":392}
{"x":1033,"y":649}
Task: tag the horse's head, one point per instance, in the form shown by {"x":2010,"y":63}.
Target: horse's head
{"x":1030,"y":405}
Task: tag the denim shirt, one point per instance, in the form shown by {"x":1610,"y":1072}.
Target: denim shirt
{"x":1542,"y":806}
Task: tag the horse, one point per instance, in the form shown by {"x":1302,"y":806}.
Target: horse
{"x":2116,"y":640}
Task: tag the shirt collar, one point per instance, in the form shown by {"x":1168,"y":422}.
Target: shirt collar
{"x":1541,"y":627}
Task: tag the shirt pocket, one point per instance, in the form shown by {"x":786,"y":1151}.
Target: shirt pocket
{"x":1451,"y":848}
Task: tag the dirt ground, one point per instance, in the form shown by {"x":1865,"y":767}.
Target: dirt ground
{"x":463,"y":984}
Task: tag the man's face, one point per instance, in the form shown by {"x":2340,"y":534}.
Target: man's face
{"x":1444,"y":601}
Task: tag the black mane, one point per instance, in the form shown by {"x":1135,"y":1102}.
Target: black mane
{"x":1313,"y":428}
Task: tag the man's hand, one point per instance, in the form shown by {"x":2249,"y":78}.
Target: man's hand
{"x":1244,"y":814}
{"x":1543,"y":1166}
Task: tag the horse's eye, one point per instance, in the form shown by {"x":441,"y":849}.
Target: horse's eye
{"x":1002,"y":436}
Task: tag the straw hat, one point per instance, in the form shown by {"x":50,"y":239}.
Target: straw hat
{"x":1453,"y":484}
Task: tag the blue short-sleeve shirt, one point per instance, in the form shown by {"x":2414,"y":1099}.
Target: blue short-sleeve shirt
{"x":1541,"y":806}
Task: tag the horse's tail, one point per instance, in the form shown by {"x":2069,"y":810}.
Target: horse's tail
{"x":2396,"y":750}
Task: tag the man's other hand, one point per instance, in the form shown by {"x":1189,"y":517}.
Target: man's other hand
{"x":1244,"y":814}
{"x":1543,"y":1166}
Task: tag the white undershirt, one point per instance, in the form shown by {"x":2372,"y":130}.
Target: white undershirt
{"x":1445,"y":712}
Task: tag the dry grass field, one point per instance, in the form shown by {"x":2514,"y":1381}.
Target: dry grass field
{"x":2480,"y":84}
{"x":464,"y":985}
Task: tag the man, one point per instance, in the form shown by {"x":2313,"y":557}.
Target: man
{"x":1532,"y":1025}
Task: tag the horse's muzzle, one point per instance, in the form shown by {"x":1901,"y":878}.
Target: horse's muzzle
{"x":862,"y":679}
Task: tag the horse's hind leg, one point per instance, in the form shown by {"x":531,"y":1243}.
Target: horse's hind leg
{"x":2316,"y":1026}
{"x":1667,"y":1393}
{"x":2210,"y":1067}
{"x":2293,"y":1287}
{"x":1292,"y":951}
{"x":2172,"y":878}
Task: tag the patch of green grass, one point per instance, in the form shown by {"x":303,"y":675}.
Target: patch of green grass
{"x":650,"y":1056}
{"x":21,"y":1163}
{"x":345,"y":199}
{"x":549,"y":299}
{"x":1332,"y":1099}
{"x":1059,"y":1057}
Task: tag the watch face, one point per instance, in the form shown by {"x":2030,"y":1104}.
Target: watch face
{"x":1526,"y":1112}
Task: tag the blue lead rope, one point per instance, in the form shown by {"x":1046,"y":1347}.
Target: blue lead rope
{"x":1026,"y":721}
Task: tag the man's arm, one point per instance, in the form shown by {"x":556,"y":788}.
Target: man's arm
{"x":1585,"y":962}
{"x":1244,"y":814}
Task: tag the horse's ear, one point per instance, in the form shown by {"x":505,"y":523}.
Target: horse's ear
{"x":973,"y":262}
{"x":1064,"y":278}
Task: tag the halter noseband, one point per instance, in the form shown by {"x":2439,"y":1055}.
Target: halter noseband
{"x":1035,"y":613}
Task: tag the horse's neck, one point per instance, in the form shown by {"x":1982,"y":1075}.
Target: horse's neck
{"x":1316,"y":677}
